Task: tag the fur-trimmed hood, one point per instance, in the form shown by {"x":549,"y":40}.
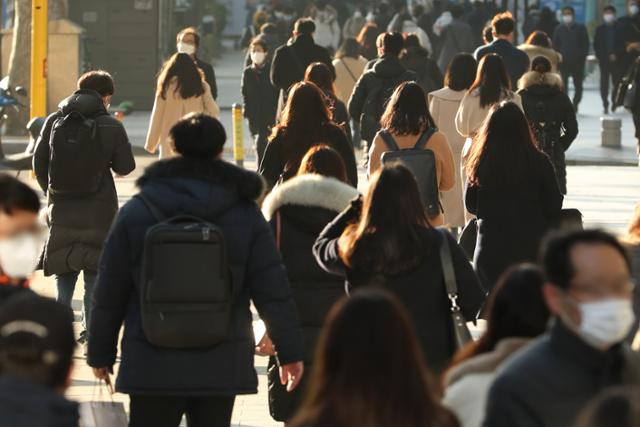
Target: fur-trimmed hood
{"x":248,"y":185}
{"x":309,"y":191}
{"x":532,"y":78}
{"x":533,"y":51}
{"x":487,"y":362}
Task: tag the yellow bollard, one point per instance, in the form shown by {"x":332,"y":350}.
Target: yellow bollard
{"x":238,"y":138}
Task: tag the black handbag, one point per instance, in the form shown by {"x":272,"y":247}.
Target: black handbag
{"x":626,"y":93}
{"x":461,"y":334}
{"x":468,"y":238}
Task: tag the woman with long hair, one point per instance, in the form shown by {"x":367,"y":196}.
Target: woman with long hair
{"x":306,"y":121}
{"x":550,"y":113}
{"x":516,"y":313}
{"x":405,"y":120}
{"x":539,"y":44}
{"x":443,"y":105}
{"x":181,"y":90}
{"x":369,"y":370}
{"x":298,"y":211}
{"x":386,"y":238}
{"x":491,"y":86}
{"x":349,"y":65}
{"x":367,"y":41}
{"x":320,"y":74}
{"x":512,"y":189}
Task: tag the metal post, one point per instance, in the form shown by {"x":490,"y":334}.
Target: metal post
{"x":238,"y":137}
{"x":39,"y":47}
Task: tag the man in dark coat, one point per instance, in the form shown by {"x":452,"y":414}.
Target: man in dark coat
{"x":163,"y":383}
{"x":609,"y":54}
{"x":589,"y":291}
{"x":188,"y":41}
{"x":515,"y":60}
{"x":376,"y":85}
{"x":572,"y":41}
{"x":291,"y":61}
{"x":79,"y":223}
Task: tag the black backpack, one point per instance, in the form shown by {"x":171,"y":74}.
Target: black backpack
{"x":374,"y":106}
{"x":544,"y":126}
{"x":185,"y":288}
{"x":422,"y":163}
{"x":77,"y":162}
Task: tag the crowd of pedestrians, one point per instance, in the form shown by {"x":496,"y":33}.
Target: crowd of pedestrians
{"x":365,"y":294}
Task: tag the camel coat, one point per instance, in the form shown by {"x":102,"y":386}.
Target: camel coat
{"x":445,"y":165}
{"x":443,"y":105}
{"x":167,"y":112}
{"x":533,"y":51}
{"x":348,"y":71}
{"x":470,"y":115}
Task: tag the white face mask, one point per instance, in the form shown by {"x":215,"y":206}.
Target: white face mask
{"x":357,"y":14}
{"x":19,"y":254}
{"x":370,"y":17}
{"x":608,"y":18}
{"x":634,"y":9}
{"x":567,"y":19}
{"x":258,"y":57}
{"x":187,"y":48}
{"x":605,"y":322}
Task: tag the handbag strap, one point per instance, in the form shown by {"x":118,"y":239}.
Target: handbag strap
{"x":446,"y":261}
{"x":157,"y":214}
{"x":278,"y":229}
{"x":346,"y":67}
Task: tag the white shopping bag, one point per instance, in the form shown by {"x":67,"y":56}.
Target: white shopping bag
{"x":101,"y":413}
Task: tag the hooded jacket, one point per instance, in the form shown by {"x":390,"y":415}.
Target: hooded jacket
{"x":418,"y":61}
{"x":542,"y":100}
{"x":79,"y":225}
{"x":225,"y":195}
{"x":534,"y":51}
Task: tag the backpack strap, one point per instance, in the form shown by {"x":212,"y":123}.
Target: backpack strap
{"x":424,"y":138}
{"x":157,"y":214}
{"x":389,"y":140}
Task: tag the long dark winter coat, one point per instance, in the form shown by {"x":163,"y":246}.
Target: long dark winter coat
{"x":79,"y":225}
{"x":260,"y":98}
{"x":302,"y":207}
{"x":204,"y":189}
{"x":512,"y":219}
{"x":422,"y":290}
{"x":542,"y":99}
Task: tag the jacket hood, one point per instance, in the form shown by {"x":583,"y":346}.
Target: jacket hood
{"x":533,"y":50}
{"x":388,"y":67}
{"x":199,"y":186}
{"x":486,"y":362}
{"x":533,"y":78}
{"x":310,"y":191}
{"x":26,"y":403}
{"x":83,"y":101}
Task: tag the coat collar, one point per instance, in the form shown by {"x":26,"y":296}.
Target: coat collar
{"x":448,"y":94}
{"x":310,"y":191}
{"x":534,"y":78}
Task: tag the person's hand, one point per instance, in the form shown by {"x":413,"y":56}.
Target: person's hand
{"x":291,"y":375}
{"x":265,"y":347}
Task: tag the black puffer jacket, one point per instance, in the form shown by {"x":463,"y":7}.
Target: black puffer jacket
{"x":418,"y":61}
{"x":79,"y":225}
{"x":204,"y":189}
{"x":544,"y":102}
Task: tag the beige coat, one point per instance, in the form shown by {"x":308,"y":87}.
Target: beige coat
{"x":470,"y":115}
{"x":443,"y":105}
{"x":345,"y":82}
{"x":533,"y":51}
{"x":167,"y":112}
{"x":445,"y":165}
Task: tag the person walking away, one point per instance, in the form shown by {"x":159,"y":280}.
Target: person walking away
{"x":607,"y":52}
{"x":327,"y":32}
{"x":403,"y":256}
{"x":456,"y":36}
{"x":298,"y":211}
{"x":269,"y":34}
{"x":477,"y":19}
{"x":21,"y":236}
{"x":406,"y":123}
{"x":416,"y":58}
{"x":510,"y":183}
{"x":349,"y":375}
{"x":550,"y":114}
{"x":443,"y":106}
{"x":588,"y":292}
{"x":515,"y":61}
{"x":367,"y":39}
{"x":539,"y":44}
{"x":320,"y":75}
{"x":80,"y":146}
{"x":290,"y":61}
{"x":37,"y":360}
{"x":259,"y":96}
{"x":253,"y":28}
{"x":572,"y":41}
{"x":509,"y":329}
{"x":188,"y":41}
{"x":306,"y":121}
{"x":375,"y":86}
{"x":403,"y":22}
{"x":168,"y":367}
{"x":548,"y":22}
{"x":354,"y":24}
{"x":181,"y":89}
{"x":491,"y":87}
{"x":349,"y":65}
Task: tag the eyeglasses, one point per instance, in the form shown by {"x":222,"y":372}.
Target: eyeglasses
{"x":620,"y":288}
